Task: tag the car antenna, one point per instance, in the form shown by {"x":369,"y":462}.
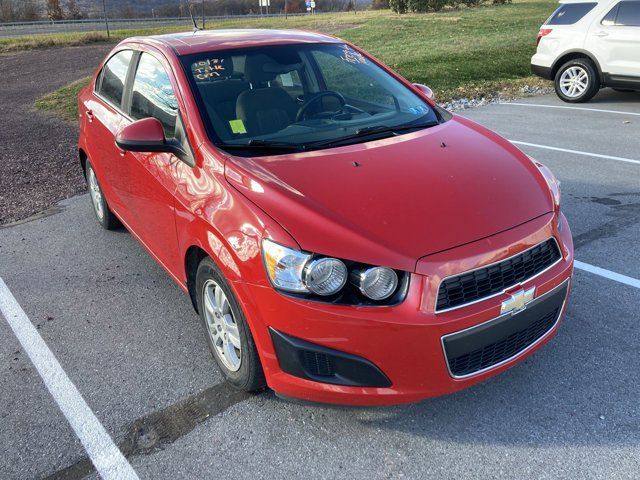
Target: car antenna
{"x":195,"y":25}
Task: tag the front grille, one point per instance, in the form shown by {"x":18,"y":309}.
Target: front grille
{"x":503,"y":349}
{"x":484,"y":282}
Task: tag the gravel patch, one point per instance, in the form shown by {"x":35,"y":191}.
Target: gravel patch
{"x":38,"y":160}
{"x":525,"y":91}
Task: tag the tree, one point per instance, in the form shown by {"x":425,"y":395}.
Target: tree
{"x":54,"y":10}
{"x":379,"y":4}
{"x":73,"y":11}
{"x":399,"y":6}
{"x":30,"y":11}
{"x":8,"y":12}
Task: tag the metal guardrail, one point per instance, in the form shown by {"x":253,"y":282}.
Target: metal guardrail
{"x":85,"y":24}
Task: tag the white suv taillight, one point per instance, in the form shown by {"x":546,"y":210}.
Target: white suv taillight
{"x":542,"y":33}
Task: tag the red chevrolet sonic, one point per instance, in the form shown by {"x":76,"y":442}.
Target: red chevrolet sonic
{"x":342,"y":238}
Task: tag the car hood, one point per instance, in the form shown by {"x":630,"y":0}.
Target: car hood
{"x":392,"y":201}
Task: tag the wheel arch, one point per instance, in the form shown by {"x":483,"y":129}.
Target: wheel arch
{"x":82,"y":157}
{"x":193,"y":256}
{"x":573,"y":55}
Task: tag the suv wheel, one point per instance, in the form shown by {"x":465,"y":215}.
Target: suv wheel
{"x":226,"y":328}
{"x":577,"y":81}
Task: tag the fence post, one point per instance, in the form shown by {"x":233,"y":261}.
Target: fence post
{"x":106,"y":20}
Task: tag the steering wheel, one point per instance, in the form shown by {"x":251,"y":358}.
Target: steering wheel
{"x":328,"y":93}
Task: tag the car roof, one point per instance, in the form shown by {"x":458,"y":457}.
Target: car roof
{"x":185,"y":43}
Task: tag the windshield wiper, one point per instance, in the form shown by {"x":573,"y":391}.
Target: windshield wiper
{"x":383,"y":130}
{"x":262,"y":145}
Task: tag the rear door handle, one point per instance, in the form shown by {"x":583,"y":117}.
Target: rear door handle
{"x":89,"y":115}
{"x":601,"y":33}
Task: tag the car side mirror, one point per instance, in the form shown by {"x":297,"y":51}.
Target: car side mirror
{"x":147,"y":135}
{"x":424,"y":89}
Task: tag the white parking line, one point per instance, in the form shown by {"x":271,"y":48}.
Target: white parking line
{"x":577,"y":152}
{"x":607,"y":274}
{"x":107,"y":458}
{"x":601,"y":110}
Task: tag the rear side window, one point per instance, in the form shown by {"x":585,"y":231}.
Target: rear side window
{"x":628,"y":14}
{"x":569,"y":13}
{"x":112,"y":78}
{"x":152,"y":94}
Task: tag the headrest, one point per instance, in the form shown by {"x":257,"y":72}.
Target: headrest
{"x":261,"y":68}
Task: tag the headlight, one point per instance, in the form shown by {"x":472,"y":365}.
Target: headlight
{"x":285,"y":266}
{"x":310,"y":275}
{"x":325,"y":276}
{"x":376,"y":283}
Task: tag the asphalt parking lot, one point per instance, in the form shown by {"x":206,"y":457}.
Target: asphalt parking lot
{"x":127,"y":338}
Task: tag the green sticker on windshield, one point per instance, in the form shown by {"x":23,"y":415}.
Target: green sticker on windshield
{"x":237,"y":126}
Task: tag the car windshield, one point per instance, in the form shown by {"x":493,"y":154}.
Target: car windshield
{"x":300,"y":97}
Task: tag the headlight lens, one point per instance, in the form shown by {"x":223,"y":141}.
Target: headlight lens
{"x":325,"y":276}
{"x":376,"y":283}
{"x":285,"y":266}
{"x":297,"y":272}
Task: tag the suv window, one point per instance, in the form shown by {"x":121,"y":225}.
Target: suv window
{"x":569,"y":13}
{"x":628,"y":14}
{"x":610,"y":18}
{"x":112,"y":78}
{"x":152,"y":94}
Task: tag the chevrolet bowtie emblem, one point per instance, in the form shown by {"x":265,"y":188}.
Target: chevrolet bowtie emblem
{"x":518,"y":301}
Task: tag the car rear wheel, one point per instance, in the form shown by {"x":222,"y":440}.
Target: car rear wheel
{"x":577,"y":81}
{"x":227,"y":332}
{"x":104,"y":215}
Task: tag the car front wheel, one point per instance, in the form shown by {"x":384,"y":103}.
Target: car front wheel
{"x":227,"y":332}
{"x":577,"y":81}
{"x":104,"y":215}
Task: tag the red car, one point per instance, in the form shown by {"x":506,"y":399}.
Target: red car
{"x":343,"y":238}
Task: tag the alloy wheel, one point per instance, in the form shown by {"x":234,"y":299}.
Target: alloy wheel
{"x":222,"y":326}
{"x":96,"y":194}
{"x":574,"y":81}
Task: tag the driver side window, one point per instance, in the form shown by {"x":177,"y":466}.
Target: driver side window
{"x":152,"y":94}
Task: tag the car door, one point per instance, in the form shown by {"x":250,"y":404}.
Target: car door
{"x":615,"y":40}
{"x":152,"y":176}
{"x":103,"y":117}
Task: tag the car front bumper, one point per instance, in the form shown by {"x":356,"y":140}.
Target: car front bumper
{"x":406,"y":343}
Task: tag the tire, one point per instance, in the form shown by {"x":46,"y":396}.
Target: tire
{"x":101,"y":209}
{"x":577,"y":81}
{"x":226,"y":328}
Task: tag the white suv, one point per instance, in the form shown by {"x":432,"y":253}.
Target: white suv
{"x":586,"y":45}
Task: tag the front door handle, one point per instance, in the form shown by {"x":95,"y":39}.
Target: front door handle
{"x":89,"y":115}
{"x":601,"y":33}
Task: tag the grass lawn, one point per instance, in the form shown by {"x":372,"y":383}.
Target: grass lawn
{"x":458,"y":53}
{"x":64,"y":101}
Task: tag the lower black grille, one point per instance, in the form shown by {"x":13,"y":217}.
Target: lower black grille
{"x":501,"y":350}
{"x":475,"y":349}
{"x":321,"y":364}
{"x":317,"y":363}
{"x":484,"y":282}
